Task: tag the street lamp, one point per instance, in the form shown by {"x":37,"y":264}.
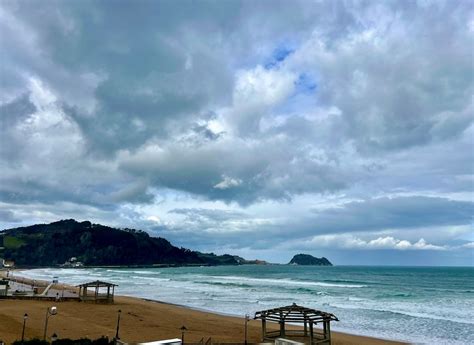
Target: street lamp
{"x":118,"y":325}
{"x":25,"y":317}
{"x":49,"y":312}
{"x":54,"y":337}
{"x":247,"y":318}
{"x":183,"y":329}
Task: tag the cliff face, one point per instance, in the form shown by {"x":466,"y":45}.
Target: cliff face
{"x":95,"y":244}
{"x":309,"y":260}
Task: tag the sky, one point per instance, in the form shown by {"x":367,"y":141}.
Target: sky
{"x":263,"y":129}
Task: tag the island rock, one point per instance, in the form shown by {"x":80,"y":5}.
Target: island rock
{"x":309,"y":260}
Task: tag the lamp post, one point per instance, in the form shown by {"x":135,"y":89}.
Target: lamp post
{"x":49,"y":312}
{"x":183,"y":329}
{"x":25,"y":317}
{"x":247,"y":318}
{"x":118,"y":325}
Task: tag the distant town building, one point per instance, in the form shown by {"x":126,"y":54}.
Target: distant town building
{"x":72,"y":263}
{"x":8,"y":263}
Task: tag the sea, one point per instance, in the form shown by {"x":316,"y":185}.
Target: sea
{"x":421,"y":305}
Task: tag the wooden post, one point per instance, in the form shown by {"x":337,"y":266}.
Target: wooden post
{"x":282,"y":328}
{"x":264,"y":329}
{"x":329,"y":332}
{"x":305,"y":328}
{"x":282,"y":325}
{"x":310,"y":333}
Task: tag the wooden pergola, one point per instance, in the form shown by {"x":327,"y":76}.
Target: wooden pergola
{"x":296,"y":314}
{"x":97,"y":295}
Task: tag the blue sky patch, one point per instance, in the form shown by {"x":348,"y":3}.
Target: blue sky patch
{"x":305,"y":83}
{"x":279,"y":55}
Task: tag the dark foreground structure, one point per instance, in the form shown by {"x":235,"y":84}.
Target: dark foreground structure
{"x":296,"y":314}
{"x":103,"y":292}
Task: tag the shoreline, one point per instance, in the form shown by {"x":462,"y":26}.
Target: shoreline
{"x":140,"y":314}
{"x":223,"y":314}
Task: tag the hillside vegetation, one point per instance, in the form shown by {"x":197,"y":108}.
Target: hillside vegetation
{"x":96,"y":245}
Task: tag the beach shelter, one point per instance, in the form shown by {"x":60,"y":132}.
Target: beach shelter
{"x":97,"y":291}
{"x":295,"y":314}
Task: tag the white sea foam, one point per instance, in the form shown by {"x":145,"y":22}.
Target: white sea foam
{"x":404,"y":309}
{"x":285,"y":282}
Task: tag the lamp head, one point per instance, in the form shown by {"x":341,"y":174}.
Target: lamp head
{"x":183,"y":328}
{"x":25,"y":316}
{"x":54,"y":337}
{"x":53,"y":310}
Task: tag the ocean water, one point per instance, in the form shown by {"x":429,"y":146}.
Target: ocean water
{"x":426,"y":305}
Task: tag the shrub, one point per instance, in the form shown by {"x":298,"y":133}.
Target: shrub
{"x":66,"y":341}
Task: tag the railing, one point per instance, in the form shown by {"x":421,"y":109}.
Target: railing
{"x":318,"y":337}
{"x":294,"y":333}
{"x":94,"y":298}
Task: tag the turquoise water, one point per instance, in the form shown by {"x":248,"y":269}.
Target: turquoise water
{"x":429,"y":305}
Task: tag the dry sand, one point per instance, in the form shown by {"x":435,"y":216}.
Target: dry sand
{"x":141,"y":321}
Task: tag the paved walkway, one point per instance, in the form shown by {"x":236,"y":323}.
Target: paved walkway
{"x":52,"y":290}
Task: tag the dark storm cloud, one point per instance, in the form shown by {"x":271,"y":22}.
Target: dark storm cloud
{"x":8,"y":217}
{"x":238,"y":170}
{"x":389,"y":213}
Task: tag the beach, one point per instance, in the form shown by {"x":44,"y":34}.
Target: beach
{"x":424,"y":305}
{"x":141,"y":321}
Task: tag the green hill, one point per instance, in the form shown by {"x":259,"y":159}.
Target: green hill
{"x":97,"y":245}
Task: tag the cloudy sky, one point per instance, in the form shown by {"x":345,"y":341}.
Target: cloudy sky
{"x":258,"y":128}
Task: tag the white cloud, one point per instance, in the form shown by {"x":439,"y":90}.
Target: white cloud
{"x":154,"y":219}
{"x":228,"y":182}
{"x":48,"y":133}
{"x":259,"y":86}
{"x":469,"y":245}
{"x":257,"y":91}
{"x":349,"y":241}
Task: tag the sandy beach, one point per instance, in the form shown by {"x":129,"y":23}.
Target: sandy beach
{"x":141,"y":321}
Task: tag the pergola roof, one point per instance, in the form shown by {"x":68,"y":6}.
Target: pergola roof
{"x":295,"y":313}
{"x":97,"y":283}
